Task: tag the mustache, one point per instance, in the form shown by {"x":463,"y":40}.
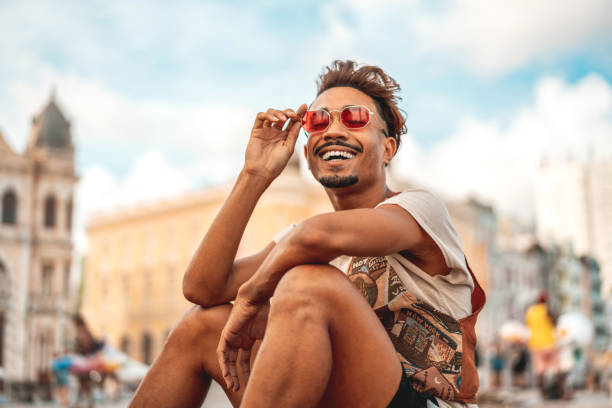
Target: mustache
{"x":337,"y":143}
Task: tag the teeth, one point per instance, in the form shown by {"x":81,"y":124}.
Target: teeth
{"x":337,"y":154}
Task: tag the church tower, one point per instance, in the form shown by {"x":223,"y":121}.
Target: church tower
{"x":36,"y":249}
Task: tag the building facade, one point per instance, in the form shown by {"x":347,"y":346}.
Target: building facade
{"x":132,"y":293}
{"x":36,"y":251}
{"x":574,"y":207}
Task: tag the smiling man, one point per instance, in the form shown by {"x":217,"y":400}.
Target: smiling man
{"x":372,"y":305}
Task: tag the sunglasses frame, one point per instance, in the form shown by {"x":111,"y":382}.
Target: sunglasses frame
{"x":329,"y":113}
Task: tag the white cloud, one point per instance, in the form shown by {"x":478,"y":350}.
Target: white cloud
{"x":102,"y":114}
{"x":494,"y":37}
{"x":498,"y":163}
{"x":150,"y":178}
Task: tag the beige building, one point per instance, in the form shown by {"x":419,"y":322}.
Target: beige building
{"x":133,"y":272}
{"x":36,"y":296}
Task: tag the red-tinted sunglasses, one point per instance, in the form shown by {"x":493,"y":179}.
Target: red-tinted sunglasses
{"x":352,"y":117}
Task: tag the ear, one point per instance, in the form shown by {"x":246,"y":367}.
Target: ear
{"x":390,"y":146}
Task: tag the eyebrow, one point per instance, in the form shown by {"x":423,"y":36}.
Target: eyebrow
{"x":325,"y":108}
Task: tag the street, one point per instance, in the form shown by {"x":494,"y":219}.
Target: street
{"x":505,"y":398}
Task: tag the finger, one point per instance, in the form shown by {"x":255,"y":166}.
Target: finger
{"x":222,"y":358}
{"x":244,"y":363}
{"x":231,"y":365}
{"x":281,"y":118}
{"x":263,"y":117}
{"x":302,"y":110}
{"x":294,"y":128}
{"x":290,"y":113}
{"x":296,"y":117}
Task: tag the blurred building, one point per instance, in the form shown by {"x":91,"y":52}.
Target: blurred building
{"x":134,"y":269}
{"x":36,"y":297}
{"x":574,"y":207}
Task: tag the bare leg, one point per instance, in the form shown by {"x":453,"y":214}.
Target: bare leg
{"x":181,"y":375}
{"x":323,"y":346}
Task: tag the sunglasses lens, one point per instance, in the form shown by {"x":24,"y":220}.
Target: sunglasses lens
{"x":315,"y":121}
{"x":355,"y":117}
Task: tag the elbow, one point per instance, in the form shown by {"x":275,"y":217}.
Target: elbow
{"x":313,"y":237}
{"x":195,"y":293}
{"x":190,"y":293}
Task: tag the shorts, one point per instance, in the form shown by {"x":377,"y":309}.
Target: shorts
{"x":407,"y":396}
{"x":544,"y":360}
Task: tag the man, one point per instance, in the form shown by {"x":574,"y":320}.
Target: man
{"x":373,"y":303}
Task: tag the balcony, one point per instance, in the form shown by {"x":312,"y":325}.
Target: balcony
{"x":48,"y":304}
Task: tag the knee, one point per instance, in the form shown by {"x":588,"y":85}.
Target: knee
{"x":198,"y":325}
{"x":307,"y":287}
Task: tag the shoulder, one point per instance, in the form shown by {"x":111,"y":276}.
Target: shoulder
{"x":420,"y":204}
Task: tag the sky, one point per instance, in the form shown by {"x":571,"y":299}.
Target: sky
{"x":162,"y":95}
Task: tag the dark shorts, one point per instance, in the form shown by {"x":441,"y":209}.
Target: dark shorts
{"x":407,"y":396}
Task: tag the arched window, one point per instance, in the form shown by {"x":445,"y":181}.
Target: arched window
{"x":69,"y":215}
{"x":50,"y":212}
{"x":146,"y":348}
{"x":9,"y":208}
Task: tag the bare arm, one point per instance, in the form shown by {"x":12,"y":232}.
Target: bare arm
{"x":361,"y":232}
{"x":213,"y":276}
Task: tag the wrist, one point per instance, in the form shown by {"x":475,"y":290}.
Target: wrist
{"x":248,"y":293}
{"x":256,"y":176}
{"x":252,"y":183}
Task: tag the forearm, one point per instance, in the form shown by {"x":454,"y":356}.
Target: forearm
{"x":358,"y":232}
{"x":211,"y":265}
{"x":306,"y":244}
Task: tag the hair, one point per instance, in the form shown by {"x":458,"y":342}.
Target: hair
{"x":372,"y":81}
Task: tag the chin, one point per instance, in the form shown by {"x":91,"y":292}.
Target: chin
{"x":338,"y":181}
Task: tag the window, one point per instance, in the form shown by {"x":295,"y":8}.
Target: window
{"x":66,"y":283}
{"x":125,"y":344}
{"x":1,"y":339}
{"x":69,"y":215}
{"x":50,"y":212}
{"x":47,"y":279}
{"x":146,"y":348}
{"x":9,"y":208}
{"x":5,"y":286}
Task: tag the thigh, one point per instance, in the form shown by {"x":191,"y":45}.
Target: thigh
{"x":180,"y":376}
{"x":366,"y":371}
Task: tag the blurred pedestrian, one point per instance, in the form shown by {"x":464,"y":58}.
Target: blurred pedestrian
{"x":498,"y":362}
{"x":519,"y":362}
{"x":544,"y":352}
{"x":87,"y":346}
{"x":60,"y":365}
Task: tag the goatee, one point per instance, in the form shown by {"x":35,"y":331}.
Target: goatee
{"x":337,"y":181}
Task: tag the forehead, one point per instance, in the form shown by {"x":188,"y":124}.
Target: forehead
{"x":341,"y":96}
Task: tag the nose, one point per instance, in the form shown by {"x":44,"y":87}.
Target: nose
{"x":336,"y":129}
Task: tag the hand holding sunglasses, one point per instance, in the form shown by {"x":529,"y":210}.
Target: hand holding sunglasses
{"x":272,"y":141}
{"x":352,"y":117}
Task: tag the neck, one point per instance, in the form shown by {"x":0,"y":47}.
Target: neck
{"x":350,"y":198}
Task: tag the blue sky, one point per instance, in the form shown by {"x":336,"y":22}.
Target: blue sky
{"x":168,"y":90}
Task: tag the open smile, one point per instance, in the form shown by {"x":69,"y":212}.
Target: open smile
{"x":337,"y":151}
{"x":332,"y":155}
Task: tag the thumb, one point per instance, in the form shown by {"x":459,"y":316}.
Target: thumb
{"x":296,"y":125}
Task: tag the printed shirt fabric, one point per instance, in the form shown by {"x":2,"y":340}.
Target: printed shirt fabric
{"x":430,"y":319}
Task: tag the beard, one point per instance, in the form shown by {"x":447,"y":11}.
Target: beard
{"x":337,"y":181}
